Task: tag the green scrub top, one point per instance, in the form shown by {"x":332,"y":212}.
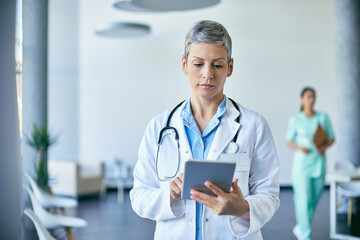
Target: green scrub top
{"x":301,"y":131}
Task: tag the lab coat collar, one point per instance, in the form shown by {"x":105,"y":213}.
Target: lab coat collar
{"x":223,"y":136}
{"x":225,"y":132}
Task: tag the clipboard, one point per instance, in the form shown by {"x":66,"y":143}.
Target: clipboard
{"x":196,"y":172}
{"x":320,"y":137}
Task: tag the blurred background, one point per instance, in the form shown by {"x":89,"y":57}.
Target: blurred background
{"x":96,"y":72}
{"x":102,"y":91}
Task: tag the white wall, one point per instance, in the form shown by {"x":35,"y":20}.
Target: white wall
{"x":279,"y":46}
{"x":63,"y":79}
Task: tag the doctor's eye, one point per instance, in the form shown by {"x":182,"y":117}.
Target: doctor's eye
{"x":218,"y":66}
{"x":197,"y":64}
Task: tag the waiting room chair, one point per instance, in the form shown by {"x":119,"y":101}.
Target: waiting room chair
{"x":40,"y":229}
{"x":52,"y":221}
{"x":351,"y":190}
{"x":48,"y":200}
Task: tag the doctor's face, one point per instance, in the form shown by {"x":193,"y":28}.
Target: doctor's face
{"x":207,"y":68}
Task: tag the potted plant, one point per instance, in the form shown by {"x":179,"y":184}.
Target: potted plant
{"x":40,"y":139}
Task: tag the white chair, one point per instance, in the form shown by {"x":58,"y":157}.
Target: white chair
{"x":350,"y":190}
{"x":48,"y":200}
{"x":50,"y":220}
{"x":40,"y":229}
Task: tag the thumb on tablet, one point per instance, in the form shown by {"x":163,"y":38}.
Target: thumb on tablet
{"x":235,"y":187}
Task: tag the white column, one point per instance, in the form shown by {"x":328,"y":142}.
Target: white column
{"x":347,"y":36}
{"x":35,"y":18}
{"x":10,"y":158}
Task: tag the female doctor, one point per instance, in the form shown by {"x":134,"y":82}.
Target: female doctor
{"x":211,"y":126}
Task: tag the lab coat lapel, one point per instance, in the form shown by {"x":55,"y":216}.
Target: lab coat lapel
{"x":225,"y":132}
{"x":185,"y":150}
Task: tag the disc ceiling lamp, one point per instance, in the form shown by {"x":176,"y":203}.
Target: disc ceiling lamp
{"x":127,"y":5}
{"x":163,"y":5}
{"x":122,"y":29}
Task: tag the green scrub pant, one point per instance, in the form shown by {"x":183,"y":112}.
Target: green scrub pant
{"x":307,"y":192}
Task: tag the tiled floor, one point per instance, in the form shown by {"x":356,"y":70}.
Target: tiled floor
{"x":107,"y":220}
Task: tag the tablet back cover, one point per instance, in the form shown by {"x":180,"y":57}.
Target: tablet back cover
{"x":197,"y":172}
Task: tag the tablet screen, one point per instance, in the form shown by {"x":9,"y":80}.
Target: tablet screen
{"x":197,"y":172}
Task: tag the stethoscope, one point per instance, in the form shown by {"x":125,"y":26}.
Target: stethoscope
{"x":231,"y":148}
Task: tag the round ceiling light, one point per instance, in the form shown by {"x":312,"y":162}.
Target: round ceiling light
{"x":128,"y":5}
{"x":163,"y":5}
{"x":122,"y":29}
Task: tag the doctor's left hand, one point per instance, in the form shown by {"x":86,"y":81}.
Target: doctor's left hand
{"x":176,"y":189}
{"x":232,"y":203}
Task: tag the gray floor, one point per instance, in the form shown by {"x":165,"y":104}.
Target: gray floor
{"x":280,"y":227}
{"x":107,"y":220}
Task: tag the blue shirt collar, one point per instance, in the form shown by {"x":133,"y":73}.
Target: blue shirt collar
{"x":186,"y":112}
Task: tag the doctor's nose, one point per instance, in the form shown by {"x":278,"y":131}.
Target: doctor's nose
{"x":207,"y":72}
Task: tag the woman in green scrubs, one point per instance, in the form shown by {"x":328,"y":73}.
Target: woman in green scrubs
{"x":309,"y":166}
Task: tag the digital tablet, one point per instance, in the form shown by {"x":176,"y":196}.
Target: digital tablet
{"x":197,"y":172}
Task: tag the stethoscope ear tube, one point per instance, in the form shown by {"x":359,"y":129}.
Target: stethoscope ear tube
{"x":232,"y":147}
{"x":237,"y":119}
{"x":168,"y":124}
{"x":168,"y":128}
{"x":178,"y":162}
{"x":172,"y":113}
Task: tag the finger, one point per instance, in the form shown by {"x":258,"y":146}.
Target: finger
{"x":202,"y":198}
{"x":178,"y":184}
{"x":215,"y":189}
{"x":181,"y":176}
{"x":178,"y":181}
{"x":237,"y":190}
{"x":175,"y":189}
{"x":234,"y":185}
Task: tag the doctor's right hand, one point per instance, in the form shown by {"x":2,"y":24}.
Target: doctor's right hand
{"x":176,"y":189}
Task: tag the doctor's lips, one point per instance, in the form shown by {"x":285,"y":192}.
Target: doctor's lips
{"x":204,"y":85}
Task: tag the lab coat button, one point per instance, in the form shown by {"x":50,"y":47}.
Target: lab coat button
{"x":206,"y":220}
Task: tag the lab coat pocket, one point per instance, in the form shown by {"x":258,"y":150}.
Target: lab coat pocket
{"x":242,"y":160}
{"x":242,"y":169}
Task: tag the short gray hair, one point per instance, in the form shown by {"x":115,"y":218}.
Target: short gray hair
{"x":206,"y":31}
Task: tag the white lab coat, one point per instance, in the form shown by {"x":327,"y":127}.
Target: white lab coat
{"x":257,"y":169}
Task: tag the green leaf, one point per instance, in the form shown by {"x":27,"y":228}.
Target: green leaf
{"x":41,"y":139}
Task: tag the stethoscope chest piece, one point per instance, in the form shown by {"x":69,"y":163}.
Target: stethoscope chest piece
{"x":232,"y":147}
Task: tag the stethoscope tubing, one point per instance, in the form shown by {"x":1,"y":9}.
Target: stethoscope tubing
{"x":168,"y":127}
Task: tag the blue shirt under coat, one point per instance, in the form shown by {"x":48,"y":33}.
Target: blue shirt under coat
{"x":200,"y":145}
